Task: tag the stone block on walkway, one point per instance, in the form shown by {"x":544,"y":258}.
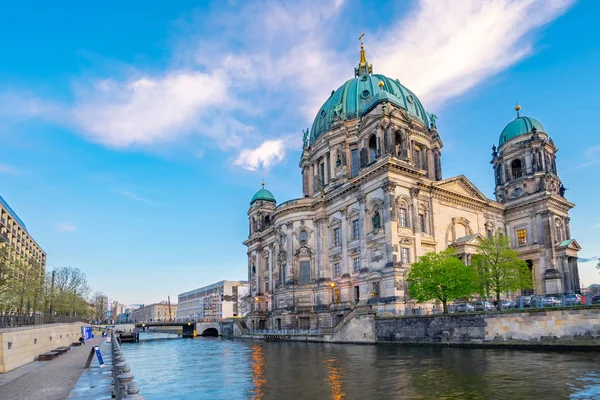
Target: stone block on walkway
{"x":49,"y":356}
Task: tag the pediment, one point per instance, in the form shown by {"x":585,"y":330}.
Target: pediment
{"x":570,"y":244}
{"x":461,"y":186}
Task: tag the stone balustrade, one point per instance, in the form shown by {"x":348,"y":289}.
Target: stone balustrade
{"x":124,"y":385}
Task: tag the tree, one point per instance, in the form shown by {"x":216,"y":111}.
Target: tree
{"x":499,"y":269}
{"x":70,"y":292}
{"x":441,"y":276}
{"x":593,"y":289}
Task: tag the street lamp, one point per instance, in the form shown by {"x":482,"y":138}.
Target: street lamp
{"x":332,"y":285}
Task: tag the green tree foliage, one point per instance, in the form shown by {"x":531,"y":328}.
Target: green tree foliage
{"x":499,"y":269}
{"x":441,"y":276}
{"x":69,"y":293}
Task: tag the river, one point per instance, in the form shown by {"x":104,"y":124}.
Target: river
{"x":214,"y":368}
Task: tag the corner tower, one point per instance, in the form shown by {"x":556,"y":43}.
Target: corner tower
{"x":536,"y":210}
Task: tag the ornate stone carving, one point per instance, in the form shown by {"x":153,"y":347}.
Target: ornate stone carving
{"x":362,"y":198}
{"x":282,"y":256}
{"x":414,"y":192}
{"x":388,"y":186}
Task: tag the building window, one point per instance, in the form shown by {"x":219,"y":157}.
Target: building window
{"x":303,"y":237}
{"x":403,"y":217}
{"x":336,"y":237}
{"x":336,"y":269}
{"x":322,"y":175}
{"x":375,"y":289}
{"x":522,"y":237}
{"x":357,"y":293}
{"x":355,"y":230}
{"x":336,"y":296}
{"x":422,"y":223}
{"x":376,"y":220}
{"x":304,"y":272}
{"x":304,"y":323}
{"x":266,"y":287}
{"x":356,"y":262}
{"x":405,"y":258}
{"x":354,"y":156}
{"x":517,"y":168}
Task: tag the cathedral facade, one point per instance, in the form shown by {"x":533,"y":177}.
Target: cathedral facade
{"x":374,"y":200}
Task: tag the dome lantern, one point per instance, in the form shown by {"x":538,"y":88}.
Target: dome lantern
{"x":264,"y":195}
{"x":519,"y":126}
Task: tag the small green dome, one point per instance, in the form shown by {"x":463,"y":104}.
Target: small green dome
{"x":361,"y":94}
{"x":264,"y":195}
{"x":519,"y":126}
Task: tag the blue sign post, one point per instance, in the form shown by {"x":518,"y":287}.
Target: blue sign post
{"x":99,"y":356}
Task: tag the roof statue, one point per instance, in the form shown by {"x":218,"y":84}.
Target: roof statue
{"x":432,"y":118}
{"x":305,"y":137}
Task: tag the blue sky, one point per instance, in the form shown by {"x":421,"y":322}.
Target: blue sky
{"x":133,"y":134}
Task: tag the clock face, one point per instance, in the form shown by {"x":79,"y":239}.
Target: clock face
{"x":516,"y":192}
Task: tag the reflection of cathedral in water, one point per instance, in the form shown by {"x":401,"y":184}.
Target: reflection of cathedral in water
{"x":375,"y":200}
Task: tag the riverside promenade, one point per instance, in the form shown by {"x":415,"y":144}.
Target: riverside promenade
{"x":47,"y":380}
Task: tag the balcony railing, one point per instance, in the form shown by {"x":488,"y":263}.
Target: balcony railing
{"x":285,"y":332}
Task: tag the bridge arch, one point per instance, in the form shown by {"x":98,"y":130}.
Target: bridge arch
{"x":210,"y":332}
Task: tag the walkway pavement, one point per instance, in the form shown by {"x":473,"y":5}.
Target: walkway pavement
{"x":53,"y":380}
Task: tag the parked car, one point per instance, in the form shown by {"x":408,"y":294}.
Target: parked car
{"x":535,"y":301}
{"x":596,"y":299}
{"x":572,"y":299}
{"x":551,"y":301}
{"x":526,"y":300}
{"x":465,"y":307}
{"x":483,"y":306}
{"x":452,"y":308}
{"x":508,"y":305}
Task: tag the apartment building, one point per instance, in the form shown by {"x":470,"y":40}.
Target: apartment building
{"x":213,"y":302}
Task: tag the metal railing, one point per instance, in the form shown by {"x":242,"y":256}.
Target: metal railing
{"x":123,"y":384}
{"x":16,"y":320}
{"x":286,"y":332}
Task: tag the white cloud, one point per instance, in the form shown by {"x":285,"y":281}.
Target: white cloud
{"x":266,"y":155}
{"x":592,"y":156}
{"x":66,"y":227}
{"x":444,"y":48}
{"x":148,"y":110}
{"x":133,"y":196}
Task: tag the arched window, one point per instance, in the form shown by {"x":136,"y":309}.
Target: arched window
{"x":399,"y":149}
{"x":376,"y":220}
{"x":498,"y":168}
{"x":372,"y":149}
{"x":516,"y":168}
{"x":423,"y":226}
{"x":403,"y":216}
{"x":560,"y":233}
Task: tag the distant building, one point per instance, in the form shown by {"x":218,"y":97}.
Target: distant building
{"x":157,"y":312}
{"x":213,"y":302}
{"x":13,"y":233}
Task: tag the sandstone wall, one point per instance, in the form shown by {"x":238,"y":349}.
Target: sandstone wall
{"x":20,"y":346}
{"x":553,"y":327}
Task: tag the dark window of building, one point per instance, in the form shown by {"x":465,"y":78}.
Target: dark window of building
{"x":354,"y":155}
{"x":304,"y":323}
{"x":356,"y":294}
{"x":304,"y":272}
{"x":405,"y":257}
{"x":322,"y":173}
{"x":355,"y":229}
{"x":403,"y":217}
{"x":336,"y":269}
{"x":375,"y":289}
{"x":356,"y":264}
{"x":372,"y":149}
{"x":337,"y":241}
{"x":336,"y":296}
{"x":376,"y":220}
{"x":278,"y":322}
{"x":517,"y":168}
{"x":422,"y":223}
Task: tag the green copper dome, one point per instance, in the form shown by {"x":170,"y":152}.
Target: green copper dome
{"x":519,"y":126}
{"x":263,"y":194}
{"x":361,"y":94}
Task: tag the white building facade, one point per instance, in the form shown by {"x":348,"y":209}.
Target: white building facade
{"x":210,"y":303}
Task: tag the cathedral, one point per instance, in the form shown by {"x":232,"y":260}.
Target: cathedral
{"x":375,"y":200}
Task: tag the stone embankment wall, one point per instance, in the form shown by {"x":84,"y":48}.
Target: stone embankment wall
{"x":577,"y":327}
{"x":20,"y":346}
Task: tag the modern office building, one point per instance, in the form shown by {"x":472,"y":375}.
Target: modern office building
{"x":14,"y":233}
{"x":213,"y":302}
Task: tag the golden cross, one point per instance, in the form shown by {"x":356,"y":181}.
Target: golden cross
{"x":361,"y":38}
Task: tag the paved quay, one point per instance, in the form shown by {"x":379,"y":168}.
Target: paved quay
{"x":52,"y":380}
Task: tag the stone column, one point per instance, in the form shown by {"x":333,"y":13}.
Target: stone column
{"x":414,"y":193}
{"x":430,"y":165}
{"x":344,"y":236}
{"x":362,"y":199}
{"x":568,"y":228}
{"x":289,"y":273}
{"x":389,"y":219}
{"x":575,"y":272}
{"x":438,"y":165}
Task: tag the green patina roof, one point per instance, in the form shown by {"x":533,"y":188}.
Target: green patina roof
{"x":361,"y":94}
{"x":519,"y":126}
{"x":263,"y":194}
{"x":565,"y":243}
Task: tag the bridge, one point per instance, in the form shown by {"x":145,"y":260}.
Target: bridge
{"x":188,"y":329}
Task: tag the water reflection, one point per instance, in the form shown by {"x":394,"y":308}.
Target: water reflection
{"x":258,"y":373}
{"x":211,"y":368}
{"x":334,"y":378}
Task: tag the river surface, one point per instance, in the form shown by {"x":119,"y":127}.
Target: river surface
{"x":214,"y":368}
